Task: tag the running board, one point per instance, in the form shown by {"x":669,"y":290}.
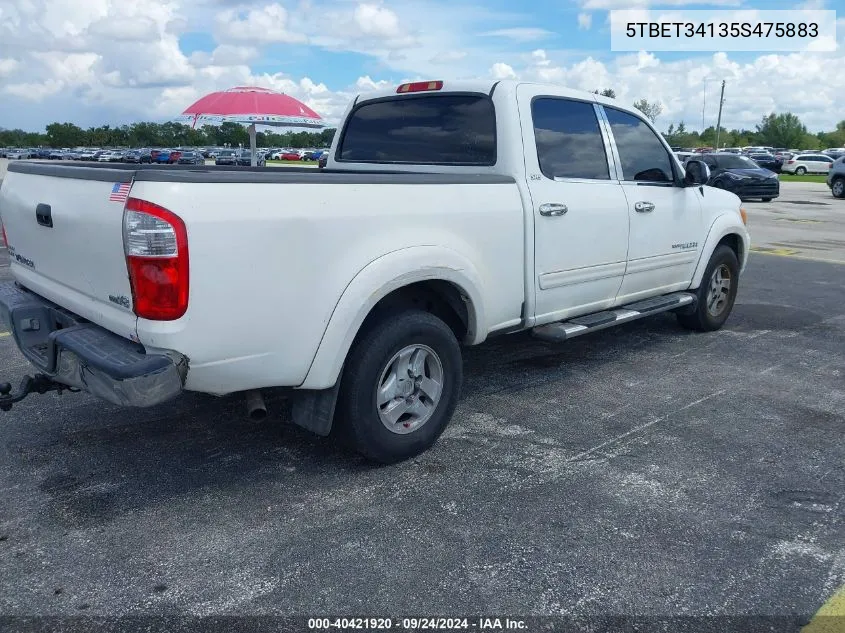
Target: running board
{"x":563,"y":330}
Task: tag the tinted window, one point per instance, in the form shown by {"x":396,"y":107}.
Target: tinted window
{"x":641,"y":153}
{"x":441,"y":129}
{"x":709,"y":161}
{"x":736,"y":162}
{"x":569,"y":142}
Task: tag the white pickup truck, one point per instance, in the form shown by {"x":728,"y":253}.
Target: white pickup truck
{"x":448,"y":212}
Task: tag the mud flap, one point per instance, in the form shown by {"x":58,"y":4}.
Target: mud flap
{"x":313,"y":410}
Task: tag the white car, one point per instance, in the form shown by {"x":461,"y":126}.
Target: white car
{"x":544,"y":209}
{"x":18,"y":154}
{"x":801,"y":164}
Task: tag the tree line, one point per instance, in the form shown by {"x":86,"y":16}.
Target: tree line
{"x":146,"y":134}
{"x":774,"y":130}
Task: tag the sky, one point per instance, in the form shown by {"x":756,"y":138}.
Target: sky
{"x":95,"y":62}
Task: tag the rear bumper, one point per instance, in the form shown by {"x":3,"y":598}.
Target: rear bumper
{"x":80,"y":354}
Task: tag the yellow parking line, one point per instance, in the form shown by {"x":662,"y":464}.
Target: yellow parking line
{"x":5,"y":334}
{"x":787,"y":252}
{"x":831,"y":617}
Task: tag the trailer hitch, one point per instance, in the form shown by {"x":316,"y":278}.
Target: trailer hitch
{"x":39,"y":383}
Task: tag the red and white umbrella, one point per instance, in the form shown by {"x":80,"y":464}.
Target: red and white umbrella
{"x":249,"y":105}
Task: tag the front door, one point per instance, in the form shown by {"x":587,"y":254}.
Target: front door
{"x":666,"y":222}
{"x":580,"y":211}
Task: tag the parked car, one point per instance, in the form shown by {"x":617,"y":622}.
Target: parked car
{"x":43,"y":153}
{"x":163,"y":157}
{"x":808,"y":164}
{"x":138,"y":156}
{"x":836,"y":178}
{"x":323,"y":161}
{"x":87,"y":155}
{"x":190,"y":158}
{"x":314,"y":155}
{"x":226,"y":157}
{"x":244,"y":158}
{"x":292,"y":155}
{"x":18,"y":154}
{"x":742,"y":176}
{"x":71,"y":155}
{"x":362,"y":311}
{"x":767,"y":161}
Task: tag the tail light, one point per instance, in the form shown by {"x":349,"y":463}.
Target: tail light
{"x":156,"y":245}
{"x":420,"y":86}
{"x":790,"y":162}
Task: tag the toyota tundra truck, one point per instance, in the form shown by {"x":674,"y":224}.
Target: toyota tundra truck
{"x":448,"y":212}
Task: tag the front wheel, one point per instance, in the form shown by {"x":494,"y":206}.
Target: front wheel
{"x":800,"y":171}
{"x":400,"y":387}
{"x":716,"y":295}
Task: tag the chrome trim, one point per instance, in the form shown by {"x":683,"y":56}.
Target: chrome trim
{"x":610,"y":150}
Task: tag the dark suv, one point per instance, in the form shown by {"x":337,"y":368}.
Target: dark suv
{"x":742,"y":176}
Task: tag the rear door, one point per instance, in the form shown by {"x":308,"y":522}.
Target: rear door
{"x":580,"y":212}
{"x":666,"y":222}
{"x":66,"y":238}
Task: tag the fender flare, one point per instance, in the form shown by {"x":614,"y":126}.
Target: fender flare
{"x":725,"y":224}
{"x":375,"y":281}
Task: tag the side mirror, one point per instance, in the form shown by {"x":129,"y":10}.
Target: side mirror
{"x":697,"y":173}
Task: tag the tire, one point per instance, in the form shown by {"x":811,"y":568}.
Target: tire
{"x":800,"y":171}
{"x":837,"y":187}
{"x":702,"y":319}
{"x":767,"y":199}
{"x":427,"y":347}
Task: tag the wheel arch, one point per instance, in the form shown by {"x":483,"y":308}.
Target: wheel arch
{"x":726,"y":229}
{"x":435,"y":279}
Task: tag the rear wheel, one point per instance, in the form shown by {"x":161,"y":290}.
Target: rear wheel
{"x":716,"y":294}
{"x":800,"y":171}
{"x":400,"y":386}
{"x":838,"y":187}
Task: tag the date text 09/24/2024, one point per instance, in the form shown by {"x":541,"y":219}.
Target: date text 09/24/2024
{"x":418,"y":624}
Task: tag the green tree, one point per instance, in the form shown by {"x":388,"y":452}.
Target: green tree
{"x":607,"y":92}
{"x":64,"y":135}
{"x":781,"y":130}
{"x":651,"y":110}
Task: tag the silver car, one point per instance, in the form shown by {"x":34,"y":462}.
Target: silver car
{"x":18,"y":154}
{"x":836,"y":178}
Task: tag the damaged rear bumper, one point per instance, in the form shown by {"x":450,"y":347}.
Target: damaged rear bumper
{"x":80,"y":354}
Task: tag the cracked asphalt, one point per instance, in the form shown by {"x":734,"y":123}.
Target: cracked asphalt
{"x":640,"y":470}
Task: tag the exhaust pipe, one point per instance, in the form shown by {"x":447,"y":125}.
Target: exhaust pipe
{"x":255,"y":407}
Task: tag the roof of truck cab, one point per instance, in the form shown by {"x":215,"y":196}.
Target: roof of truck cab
{"x":487,"y":86}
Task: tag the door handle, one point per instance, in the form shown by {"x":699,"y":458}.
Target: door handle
{"x":44,"y":215}
{"x":644,"y":207}
{"x":553,"y":209}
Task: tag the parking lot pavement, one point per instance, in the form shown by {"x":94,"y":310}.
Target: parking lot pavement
{"x":641,"y":470}
{"x":805,"y":221}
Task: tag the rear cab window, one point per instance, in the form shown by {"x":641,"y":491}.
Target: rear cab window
{"x":568,"y":138}
{"x":446,"y":129}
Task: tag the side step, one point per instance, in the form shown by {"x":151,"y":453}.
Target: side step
{"x":564,"y":330}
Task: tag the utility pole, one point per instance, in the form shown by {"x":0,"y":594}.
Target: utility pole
{"x":703,"y":104}
{"x":719,"y":120}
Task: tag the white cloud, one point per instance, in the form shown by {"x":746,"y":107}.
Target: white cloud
{"x":500,"y":70}
{"x":448,"y":57}
{"x":631,"y":4}
{"x":520,"y":34}
{"x":8,"y":66}
{"x":266,"y":24}
{"x":585,"y":21}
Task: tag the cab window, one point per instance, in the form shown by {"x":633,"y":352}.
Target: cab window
{"x":642,"y":155}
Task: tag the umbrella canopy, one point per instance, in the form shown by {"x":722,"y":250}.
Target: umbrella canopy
{"x":250,"y":105}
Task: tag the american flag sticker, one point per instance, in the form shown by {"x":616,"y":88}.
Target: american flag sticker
{"x":119,"y":192}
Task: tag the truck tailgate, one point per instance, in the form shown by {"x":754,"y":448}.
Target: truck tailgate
{"x":65,"y":236}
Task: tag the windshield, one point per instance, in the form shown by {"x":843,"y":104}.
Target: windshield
{"x":226,"y":152}
{"x":735,"y":162}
